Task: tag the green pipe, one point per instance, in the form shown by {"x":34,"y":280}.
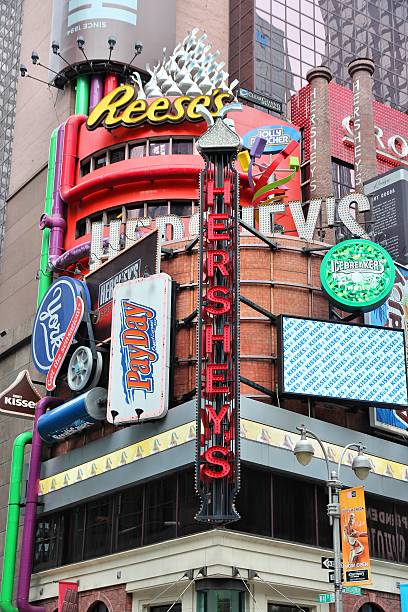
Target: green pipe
{"x":13,"y":518}
{"x":45,"y":278}
{"x":82,"y":96}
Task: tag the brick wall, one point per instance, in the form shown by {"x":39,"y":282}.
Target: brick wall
{"x":387,"y":602}
{"x":115,"y":598}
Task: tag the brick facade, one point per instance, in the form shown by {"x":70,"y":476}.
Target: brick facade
{"x":115,"y":598}
{"x":365,"y":160}
{"x":386,"y":602}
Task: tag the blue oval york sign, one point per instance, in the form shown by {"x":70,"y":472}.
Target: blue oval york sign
{"x":277,"y":137}
{"x":53,"y":319}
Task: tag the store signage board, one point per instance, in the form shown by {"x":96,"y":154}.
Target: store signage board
{"x":56,"y":315}
{"x":277,"y":137}
{"x":121,"y":107}
{"x":325,"y":598}
{"x":260,"y":100}
{"x":140,"y":259}
{"x":344,"y":362}
{"x":357,"y":275}
{"x":140,"y":350}
{"x":355,"y":550}
{"x":20,"y":398}
{"x":388,"y":196}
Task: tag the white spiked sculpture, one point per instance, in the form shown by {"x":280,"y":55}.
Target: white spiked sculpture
{"x":190,"y":70}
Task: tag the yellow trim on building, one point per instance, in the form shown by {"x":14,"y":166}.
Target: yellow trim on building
{"x":250,"y":430}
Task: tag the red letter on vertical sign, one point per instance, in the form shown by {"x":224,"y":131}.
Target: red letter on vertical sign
{"x":220,"y":262}
{"x":211,"y":377}
{"x":210,"y":338}
{"x":225,"y":302}
{"x":210,"y":457}
{"x":213,"y":226}
{"x":217,"y":418}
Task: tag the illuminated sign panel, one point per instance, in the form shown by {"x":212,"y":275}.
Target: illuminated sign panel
{"x":140,"y":350}
{"x":121,"y":108}
{"x":217,"y":465}
{"x":357,"y":275}
{"x":277,"y":137}
{"x":342,"y":362}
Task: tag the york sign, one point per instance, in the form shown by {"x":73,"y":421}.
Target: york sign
{"x":121,"y":108}
{"x":54,"y":315}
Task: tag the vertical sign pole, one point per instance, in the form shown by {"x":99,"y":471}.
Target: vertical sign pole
{"x":217,"y":457}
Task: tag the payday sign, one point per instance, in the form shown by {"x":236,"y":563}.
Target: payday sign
{"x":277,"y":137}
{"x":357,"y":275}
{"x":121,"y":107}
{"x":59,"y":313}
{"x":140,"y":350}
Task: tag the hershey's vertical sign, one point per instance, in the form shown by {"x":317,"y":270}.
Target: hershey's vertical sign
{"x":217,"y":459}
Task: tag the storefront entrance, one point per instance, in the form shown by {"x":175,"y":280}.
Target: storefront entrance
{"x":220,"y":596}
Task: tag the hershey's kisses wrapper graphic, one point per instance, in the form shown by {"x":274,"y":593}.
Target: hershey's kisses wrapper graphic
{"x":341,"y":361}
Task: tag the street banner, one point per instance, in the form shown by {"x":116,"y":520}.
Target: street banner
{"x":404,"y":597}
{"x":140,"y":350}
{"x":67,"y":596}
{"x":354,"y":536}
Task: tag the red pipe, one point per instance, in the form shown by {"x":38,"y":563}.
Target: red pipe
{"x":69,"y":155}
{"x":117,"y":178}
{"x":111,"y":83}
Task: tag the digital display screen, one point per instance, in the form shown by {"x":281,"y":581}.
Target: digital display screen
{"x":342,"y":362}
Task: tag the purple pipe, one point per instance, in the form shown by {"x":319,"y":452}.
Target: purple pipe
{"x":72,"y":256}
{"x":57,"y":220}
{"x":75,"y":254}
{"x":96,"y":93}
{"x":30,"y":516}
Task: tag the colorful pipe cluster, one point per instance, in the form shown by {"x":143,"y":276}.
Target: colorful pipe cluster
{"x":53,"y":224}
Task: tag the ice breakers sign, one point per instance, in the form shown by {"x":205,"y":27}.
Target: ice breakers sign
{"x":62,"y":302}
{"x":140,"y":350}
{"x":357,"y":275}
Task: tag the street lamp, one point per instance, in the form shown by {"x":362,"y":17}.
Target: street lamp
{"x":304,"y":452}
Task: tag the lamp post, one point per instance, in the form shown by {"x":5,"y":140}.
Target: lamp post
{"x":361,"y":466}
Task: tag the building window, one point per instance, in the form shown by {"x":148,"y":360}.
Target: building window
{"x":159,"y":147}
{"x":287,"y":508}
{"x":182,"y":147}
{"x":47,"y":541}
{"x":98,"y":529}
{"x":176,"y":608}
{"x":85,"y":167}
{"x":137,"y":150}
{"x":343,"y":178}
{"x":220,"y":600}
{"x":130,"y":518}
{"x":99,"y":161}
{"x":117,"y":155}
